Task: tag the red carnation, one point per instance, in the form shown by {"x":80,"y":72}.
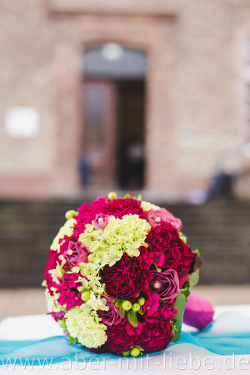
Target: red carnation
{"x":121,"y":207}
{"x":128,"y":277}
{"x":165,"y":239}
{"x":118,"y":341}
{"x":156,"y":336}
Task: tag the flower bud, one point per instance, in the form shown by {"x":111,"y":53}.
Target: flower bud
{"x":135,"y":352}
{"x":112,"y":196}
{"x":141,"y":301}
{"x":126,"y":305}
{"x":136,"y":307}
{"x":86,"y":296}
{"x":69,"y":214}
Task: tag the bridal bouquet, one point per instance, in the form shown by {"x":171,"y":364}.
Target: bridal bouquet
{"x":119,"y":274}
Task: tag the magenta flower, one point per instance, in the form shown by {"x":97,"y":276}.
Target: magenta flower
{"x":133,"y":331}
{"x":68,"y":290}
{"x":101,"y":221}
{"x":76,"y":253}
{"x":165,"y":284}
{"x":57,"y":315}
{"x":155,"y":217}
{"x":112,"y":315}
{"x":157,"y":258}
{"x":150,"y":308}
{"x":70,"y":298}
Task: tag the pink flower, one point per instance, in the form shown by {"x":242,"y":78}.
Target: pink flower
{"x":198,"y":312}
{"x":165,"y":284}
{"x":101,"y":221}
{"x":157,"y":258}
{"x":57,"y":315}
{"x":133,"y":331}
{"x":70,"y":298}
{"x":76,"y":253}
{"x":68,"y":290}
{"x":112,"y":315}
{"x":150,"y":308}
{"x":155,"y":217}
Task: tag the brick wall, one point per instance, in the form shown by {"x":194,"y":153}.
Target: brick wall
{"x":193,"y":116}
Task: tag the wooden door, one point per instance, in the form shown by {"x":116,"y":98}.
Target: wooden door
{"x":99,"y":132}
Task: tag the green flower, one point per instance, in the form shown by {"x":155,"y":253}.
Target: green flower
{"x":119,"y":236}
{"x":86,"y":327}
{"x":66,"y":230}
{"x":147,"y":206}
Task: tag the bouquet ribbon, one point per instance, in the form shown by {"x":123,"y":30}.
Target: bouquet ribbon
{"x":227,"y":335}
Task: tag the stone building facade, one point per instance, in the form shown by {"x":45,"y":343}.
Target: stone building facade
{"x":196,"y":111}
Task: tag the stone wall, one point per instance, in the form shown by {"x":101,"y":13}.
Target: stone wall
{"x":220,"y":231}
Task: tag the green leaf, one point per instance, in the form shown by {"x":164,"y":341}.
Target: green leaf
{"x":186,"y":291}
{"x":62,"y":324}
{"x":180,"y":307}
{"x":122,"y":312}
{"x":196,"y":251}
{"x":72,"y":340}
{"x":132,"y":318}
{"x":194,"y":278}
{"x":118,"y":303}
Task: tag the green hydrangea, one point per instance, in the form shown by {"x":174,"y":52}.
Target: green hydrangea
{"x":66,"y":230}
{"x":86,"y":327}
{"x":52,"y":304}
{"x":119,"y":236}
{"x":147,"y":206}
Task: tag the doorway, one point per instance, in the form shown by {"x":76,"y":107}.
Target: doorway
{"x":114,"y":85}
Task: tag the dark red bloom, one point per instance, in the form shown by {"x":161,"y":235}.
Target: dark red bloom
{"x":121,"y":207}
{"x":128,"y":277}
{"x":164,"y":238}
{"x":119,"y":340}
{"x":156,"y":336}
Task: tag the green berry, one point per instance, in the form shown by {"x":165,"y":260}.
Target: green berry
{"x":141,"y":301}
{"x":136,"y":307}
{"x":86,"y":296}
{"x":126,"y":354}
{"x":112,"y":196}
{"x":135,"y":352}
{"x":69,"y":214}
{"x":126,"y":305}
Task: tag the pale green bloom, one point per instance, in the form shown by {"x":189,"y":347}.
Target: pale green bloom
{"x":119,"y":236}
{"x":86,"y":327}
{"x":56,"y":273}
{"x":52,"y":304}
{"x":182,"y":236}
{"x":147,"y":206}
{"x":66,"y":230}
